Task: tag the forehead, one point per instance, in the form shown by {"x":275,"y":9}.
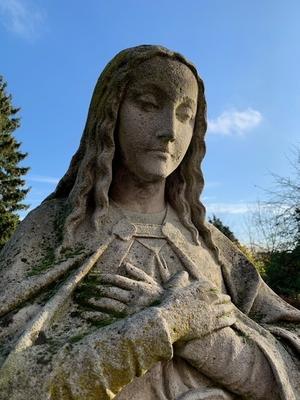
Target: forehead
{"x":171,"y":76}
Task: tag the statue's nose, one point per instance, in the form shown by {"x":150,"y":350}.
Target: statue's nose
{"x":166,"y":135}
{"x":168,"y":127}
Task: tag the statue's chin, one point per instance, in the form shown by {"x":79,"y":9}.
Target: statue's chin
{"x":153,"y":175}
{"x":155,"y":169}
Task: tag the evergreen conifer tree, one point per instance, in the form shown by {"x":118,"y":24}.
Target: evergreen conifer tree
{"x":12,"y":190}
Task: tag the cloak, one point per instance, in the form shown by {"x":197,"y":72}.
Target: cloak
{"x":44,"y":357}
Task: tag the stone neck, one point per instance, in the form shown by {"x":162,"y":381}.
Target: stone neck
{"x":142,"y":218}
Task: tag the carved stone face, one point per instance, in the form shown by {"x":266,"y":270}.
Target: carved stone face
{"x":156,"y":118}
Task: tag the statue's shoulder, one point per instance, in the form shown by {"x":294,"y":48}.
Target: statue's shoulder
{"x":227,"y":248}
{"x":42,"y":222}
{"x":230,"y":253}
{"x":38,"y":232}
{"x":240,"y":275}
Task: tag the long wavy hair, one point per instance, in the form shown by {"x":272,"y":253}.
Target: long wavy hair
{"x":87,"y":182}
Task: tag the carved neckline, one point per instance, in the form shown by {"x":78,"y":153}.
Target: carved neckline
{"x":142,"y":219}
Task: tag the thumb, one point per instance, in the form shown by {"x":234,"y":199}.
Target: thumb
{"x":179,"y":280}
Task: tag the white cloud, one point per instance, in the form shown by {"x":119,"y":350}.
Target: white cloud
{"x":234,"y":122}
{"x":21,"y":17}
{"x":228,"y":208}
{"x":42,"y":179}
{"x":242,"y":208}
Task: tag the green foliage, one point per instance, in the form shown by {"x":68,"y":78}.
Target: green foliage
{"x":296,"y":216}
{"x":12,"y":190}
{"x":283,"y":272}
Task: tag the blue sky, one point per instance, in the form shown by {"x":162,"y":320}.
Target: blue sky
{"x":247,"y":52}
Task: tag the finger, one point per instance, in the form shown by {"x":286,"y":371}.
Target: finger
{"x":115,"y":293}
{"x":138,"y":273}
{"x":108,"y":305}
{"x":121,"y":281}
{"x":180,"y":280}
{"x":224,"y":309}
{"x":95,"y":316}
{"x":225,"y":321}
{"x":222,"y":299}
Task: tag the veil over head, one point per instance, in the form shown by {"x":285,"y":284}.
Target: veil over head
{"x":87,"y":181}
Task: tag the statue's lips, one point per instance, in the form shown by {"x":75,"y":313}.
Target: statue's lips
{"x":160,"y":153}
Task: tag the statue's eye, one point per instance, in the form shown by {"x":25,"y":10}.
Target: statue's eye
{"x":184,"y":113}
{"x":148,"y":103}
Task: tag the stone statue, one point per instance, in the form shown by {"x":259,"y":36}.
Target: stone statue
{"x":116,"y":287}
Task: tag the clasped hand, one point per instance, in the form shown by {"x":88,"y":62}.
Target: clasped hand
{"x":120,"y":296}
{"x":117,"y":294}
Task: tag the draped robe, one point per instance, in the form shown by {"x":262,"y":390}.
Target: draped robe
{"x":53,"y":348}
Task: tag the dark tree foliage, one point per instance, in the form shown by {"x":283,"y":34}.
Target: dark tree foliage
{"x":223,"y":228}
{"x":12,"y":190}
{"x":297,"y":224}
{"x":283,"y":272}
{"x":283,"y":267}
